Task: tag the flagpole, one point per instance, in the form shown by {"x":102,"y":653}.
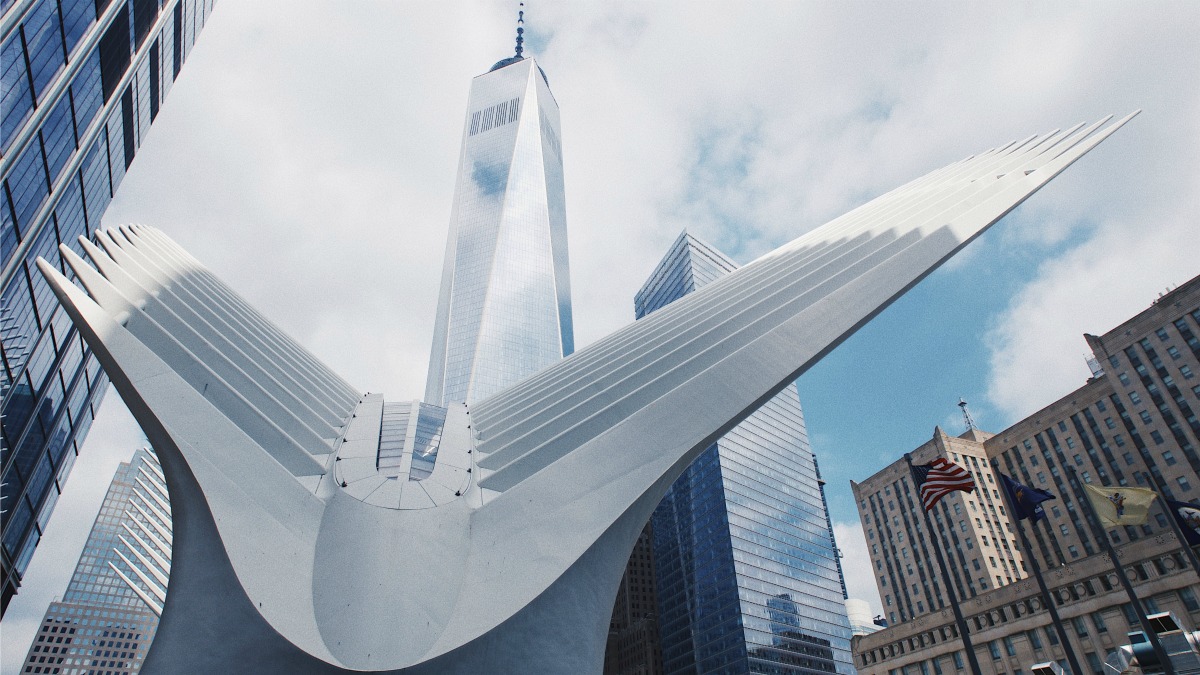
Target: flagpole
{"x":1048,"y":599}
{"x":1099,"y":533}
{"x":1191,"y":554}
{"x":935,"y":544}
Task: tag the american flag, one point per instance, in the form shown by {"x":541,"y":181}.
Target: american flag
{"x":939,"y":478}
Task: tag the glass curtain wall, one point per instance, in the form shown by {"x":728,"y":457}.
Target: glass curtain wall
{"x":82,"y":82}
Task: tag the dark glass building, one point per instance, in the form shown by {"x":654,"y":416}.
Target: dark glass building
{"x":747,"y":570}
{"x":82,"y":82}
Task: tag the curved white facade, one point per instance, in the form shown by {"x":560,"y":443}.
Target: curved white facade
{"x":294,"y":553}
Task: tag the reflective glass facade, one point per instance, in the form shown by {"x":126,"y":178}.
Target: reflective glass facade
{"x":108,"y":616}
{"x":748,"y":576}
{"x":505,"y":306}
{"x":82,"y":81}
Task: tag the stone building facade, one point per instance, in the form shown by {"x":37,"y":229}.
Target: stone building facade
{"x":1133,"y":423}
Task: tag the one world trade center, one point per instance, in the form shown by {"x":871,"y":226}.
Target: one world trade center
{"x":504,"y":311}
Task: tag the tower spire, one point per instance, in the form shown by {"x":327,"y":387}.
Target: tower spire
{"x":520,"y":31}
{"x":966,"y":414}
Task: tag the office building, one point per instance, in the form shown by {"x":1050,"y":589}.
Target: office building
{"x":82,"y":82}
{"x":106,"y":620}
{"x":504,"y":311}
{"x":861,"y":620}
{"x":633,"y":646}
{"x":982,"y":552}
{"x":747,"y":571}
{"x":1133,"y":423}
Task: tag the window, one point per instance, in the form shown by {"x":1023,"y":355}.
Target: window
{"x":1070,"y":443}
{"x":1009,"y":647}
{"x":1094,"y":663}
{"x":958,"y":509}
{"x":1119,"y":440}
{"x":1162,"y":334}
{"x":1087,"y":477}
{"x":1080,"y":626}
{"x":1134,"y":397}
{"x":1184,"y":484}
{"x":1189,"y":600}
{"x":1078,"y":460}
{"x":1158,"y":438}
{"x":1186,"y":372}
{"x":1128,"y":459}
{"x":992,"y":561}
{"x":994,"y":648}
{"x":1173,"y":352}
{"x":1056,"y":511}
{"x":1035,"y":640}
{"x":1098,"y":620}
{"x":1100,"y":406}
{"x":1073,"y":550}
{"x":1145,"y":415}
{"x":1064,"y":530}
{"x":1062,"y":426}
{"x":1123,"y":378}
{"x":1168,"y":457}
{"x":958,"y":660}
{"x":1114,"y":361}
{"x":1052,"y":636}
{"x":975,"y":561}
{"x":1041,"y":477}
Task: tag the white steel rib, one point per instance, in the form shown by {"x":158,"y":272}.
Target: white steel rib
{"x":293,"y":551}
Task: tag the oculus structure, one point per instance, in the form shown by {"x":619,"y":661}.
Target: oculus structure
{"x":319,"y":529}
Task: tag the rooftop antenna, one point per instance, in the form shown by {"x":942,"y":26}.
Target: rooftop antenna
{"x":966,"y":415}
{"x":520,"y":31}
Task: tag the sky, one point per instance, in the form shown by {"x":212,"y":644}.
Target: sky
{"x":307,"y":155}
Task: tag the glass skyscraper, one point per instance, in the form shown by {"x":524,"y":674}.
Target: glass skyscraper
{"x":106,"y":620}
{"x":748,"y":575}
{"x":82,"y":81}
{"x":504,"y":311}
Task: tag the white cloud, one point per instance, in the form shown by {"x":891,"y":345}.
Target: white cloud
{"x":856,"y":564}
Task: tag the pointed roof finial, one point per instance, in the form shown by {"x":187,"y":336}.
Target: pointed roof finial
{"x":520,"y":31}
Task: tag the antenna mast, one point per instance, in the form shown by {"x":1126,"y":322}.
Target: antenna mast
{"x":966,"y":415}
{"x":520,"y":31}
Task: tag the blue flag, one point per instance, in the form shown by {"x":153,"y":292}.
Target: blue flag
{"x":1188,"y":517}
{"x":1025,"y":502}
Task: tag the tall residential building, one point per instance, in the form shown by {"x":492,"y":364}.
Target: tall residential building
{"x":504,"y":311}
{"x":107,"y":618}
{"x":1133,"y":423}
{"x":748,"y":574}
{"x":82,"y":82}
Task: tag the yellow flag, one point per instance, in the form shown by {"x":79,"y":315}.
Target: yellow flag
{"x":1120,"y":505}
